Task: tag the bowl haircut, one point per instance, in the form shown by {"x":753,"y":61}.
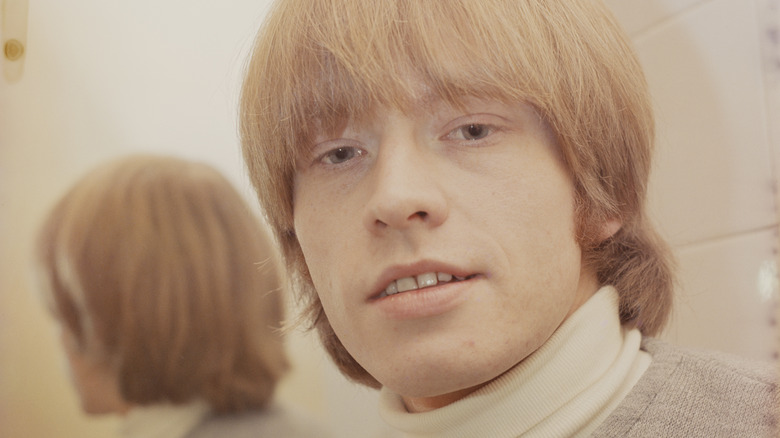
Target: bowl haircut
{"x":158,"y":268}
{"x":317,"y":65}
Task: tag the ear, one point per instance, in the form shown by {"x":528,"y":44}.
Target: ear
{"x":609,"y":228}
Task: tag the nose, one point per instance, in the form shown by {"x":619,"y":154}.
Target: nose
{"x":405,"y":188}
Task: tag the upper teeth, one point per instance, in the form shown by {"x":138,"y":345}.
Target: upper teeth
{"x":418,"y":282}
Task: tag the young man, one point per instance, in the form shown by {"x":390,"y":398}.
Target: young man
{"x":458,"y":188}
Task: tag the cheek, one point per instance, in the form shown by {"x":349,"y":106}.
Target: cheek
{"x":85,"y":379}
{"x":72,"y":360}
{"x":539,"y":232}
{"x":324,"y":246}
{"x":311,"y":229}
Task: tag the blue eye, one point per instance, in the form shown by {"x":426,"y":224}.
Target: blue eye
{"x":340,"y":155}
{"x":474,"y":131}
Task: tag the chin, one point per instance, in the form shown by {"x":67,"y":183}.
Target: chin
{"x":100,"y":407}
{"x":439,"y":381}
{"x":91,"y":409}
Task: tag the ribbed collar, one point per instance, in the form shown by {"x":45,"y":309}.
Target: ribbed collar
{"x":565,"y":388}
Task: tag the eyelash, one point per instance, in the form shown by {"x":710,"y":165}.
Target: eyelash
{"x":459,"y":133}
{"x":463,"y":129}
{"x":354,"y":151}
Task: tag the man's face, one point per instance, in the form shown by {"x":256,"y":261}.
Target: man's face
{"x":468,"y":214}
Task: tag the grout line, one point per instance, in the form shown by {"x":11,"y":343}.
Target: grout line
{"x":729,"y":236}
{"x":651,"y":27}
{"x":768,"y":25}
{"x":768,"y":20}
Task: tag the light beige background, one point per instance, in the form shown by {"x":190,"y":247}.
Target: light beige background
{"x":101,"y":79}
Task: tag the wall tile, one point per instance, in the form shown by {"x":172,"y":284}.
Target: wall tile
{"x":639,"y":15}
{"x":713,"y":174}
{"x":727,"y":296}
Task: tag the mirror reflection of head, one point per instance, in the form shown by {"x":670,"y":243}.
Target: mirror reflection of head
{"x":489,"y":157}
{"x":165,"y":288}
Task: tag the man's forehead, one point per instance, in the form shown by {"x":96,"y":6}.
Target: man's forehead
{"x":413,"y":105}
{"x":425,"y":101}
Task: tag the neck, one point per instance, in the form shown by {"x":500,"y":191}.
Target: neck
{"x":425,"y":404}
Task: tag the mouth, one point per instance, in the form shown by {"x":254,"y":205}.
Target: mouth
{"x":422,"y":281}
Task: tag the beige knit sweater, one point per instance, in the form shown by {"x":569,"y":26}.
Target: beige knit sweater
{"x":687,"y":393}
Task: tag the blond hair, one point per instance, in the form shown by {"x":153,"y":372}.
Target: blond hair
{"x":318,"y":64}
{"x":157,"y":266}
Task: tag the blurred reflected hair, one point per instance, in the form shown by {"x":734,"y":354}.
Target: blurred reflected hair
{"x":316,"y":65}
{"x":158,"y":267}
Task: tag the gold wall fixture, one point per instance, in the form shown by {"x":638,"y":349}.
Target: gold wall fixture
{"x":13,"y":28}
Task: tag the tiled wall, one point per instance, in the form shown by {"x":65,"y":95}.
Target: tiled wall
{"x":710,"y":67}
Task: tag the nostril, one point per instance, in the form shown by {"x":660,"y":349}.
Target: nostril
{"x":421,"y":214}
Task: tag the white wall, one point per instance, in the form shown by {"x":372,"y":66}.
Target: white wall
{"x":102,"y":79}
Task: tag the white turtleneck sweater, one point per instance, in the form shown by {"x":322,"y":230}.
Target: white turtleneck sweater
{"x":163,"y":420}
{"x":565,"y":388}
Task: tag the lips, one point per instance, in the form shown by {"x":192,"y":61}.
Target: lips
{"x":421,"y":281}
